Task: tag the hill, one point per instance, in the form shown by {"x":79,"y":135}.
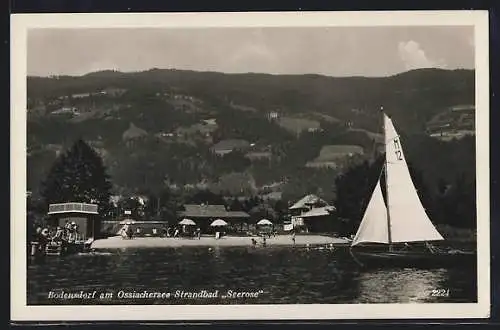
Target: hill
{"x":180,"y":115}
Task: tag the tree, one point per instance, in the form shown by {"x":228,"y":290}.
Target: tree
{"x":78,"y":175}
{"x":236,"y":205}
{"x":281,"y":209}
{"x":262,"y":211}
{"x":133,"y":205}
{"x":458,"y":203}
{"x":354,"y":188}
{"x":206,"y":197}
{"x":163,"y":206}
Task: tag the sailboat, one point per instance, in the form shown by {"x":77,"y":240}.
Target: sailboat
{"x":397,"y":232}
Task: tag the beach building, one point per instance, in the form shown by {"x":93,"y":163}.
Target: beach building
{"x":203,"y":215}
{"x":306,"y":203}
{"x":84,"y":215}
{"x":313,"y":214}
{"x":320,"y":220}
{"x":139,"y":228}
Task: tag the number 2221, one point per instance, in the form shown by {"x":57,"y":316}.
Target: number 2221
{"x":440,"y":293}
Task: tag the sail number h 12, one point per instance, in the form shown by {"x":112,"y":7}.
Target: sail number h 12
{"x":397,"y":149}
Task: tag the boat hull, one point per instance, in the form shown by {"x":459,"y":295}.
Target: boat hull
{"x":414,"y":259}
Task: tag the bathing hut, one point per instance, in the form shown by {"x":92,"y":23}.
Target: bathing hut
{"x":84,"y":215}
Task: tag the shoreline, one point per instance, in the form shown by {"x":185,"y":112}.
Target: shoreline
{"x":117,"y":242}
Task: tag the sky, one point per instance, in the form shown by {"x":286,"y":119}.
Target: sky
{"x":332,"y":51}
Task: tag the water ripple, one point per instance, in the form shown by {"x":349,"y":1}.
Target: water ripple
{"x":285,"y":276}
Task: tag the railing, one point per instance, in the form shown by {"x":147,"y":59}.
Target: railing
{"x":73,"y":207}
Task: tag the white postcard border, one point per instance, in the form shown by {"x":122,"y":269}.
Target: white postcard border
{"x":20,"y":23}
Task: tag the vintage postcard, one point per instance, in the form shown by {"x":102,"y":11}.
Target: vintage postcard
{"x":250,"y":166}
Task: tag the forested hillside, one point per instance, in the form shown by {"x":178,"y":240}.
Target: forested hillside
{"x":174,"y":128}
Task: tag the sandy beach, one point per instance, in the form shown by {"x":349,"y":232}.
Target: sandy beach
{"x":117,"y":242}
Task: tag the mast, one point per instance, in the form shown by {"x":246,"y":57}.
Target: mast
{"x":389,"y":238}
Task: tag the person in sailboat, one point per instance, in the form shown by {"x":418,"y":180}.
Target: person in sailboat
{"x":431,"y":248}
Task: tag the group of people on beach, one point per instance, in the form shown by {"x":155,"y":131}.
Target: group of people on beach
{"x":177,"y":231}
{"x":171,"y":231}
{"x":55,"y":235}
{"x":186,"y":231}
{"x":264,"y":237}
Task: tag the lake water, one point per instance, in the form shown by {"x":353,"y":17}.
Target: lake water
{"x":262,"y":275}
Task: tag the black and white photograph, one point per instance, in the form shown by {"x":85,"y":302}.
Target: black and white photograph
{"x":250,"y":166}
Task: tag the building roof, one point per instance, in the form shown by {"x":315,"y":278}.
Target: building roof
{"x":230,"y":144}
{"x":73,"y":207}
{"x":306,"y":201}
{"x":319,"y":212}
{"x":133,"y":132}
{"x":210,"y":211}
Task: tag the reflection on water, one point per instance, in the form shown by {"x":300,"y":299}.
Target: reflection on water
{"x":406,"y":285}
{"x":284,"y":275}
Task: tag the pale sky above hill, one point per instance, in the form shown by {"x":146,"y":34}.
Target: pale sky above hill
{"x":334,"y":51}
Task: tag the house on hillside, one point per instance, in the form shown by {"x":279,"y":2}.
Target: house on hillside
{"x":225,"y":147}
{"x":258,"y":155}
{"x":299,"y":125}
{"x":66,"y":111}
{"x":453,"y":123}
{"x":202,"y":129}
{"x":210,"y":122}
{"x":112,"y":91}
{"x":133,"y":135}
{"x":273,"y":115}
{"x":203,"y":215}
{"x":332,"y":156}
{"x":56,"y":148}
{"x":80,"y":95}
{"x":313,"y":214}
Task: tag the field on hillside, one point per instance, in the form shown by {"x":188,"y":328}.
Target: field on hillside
{"x":298,"y":125}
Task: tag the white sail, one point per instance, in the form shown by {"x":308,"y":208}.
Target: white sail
{"x":374,"y":226}
{"x":408,"y":220}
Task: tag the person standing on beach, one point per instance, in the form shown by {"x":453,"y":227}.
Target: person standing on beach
{"x":130,"y":232}
{"x":293,"y":237}
{"x":198,"y":232}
